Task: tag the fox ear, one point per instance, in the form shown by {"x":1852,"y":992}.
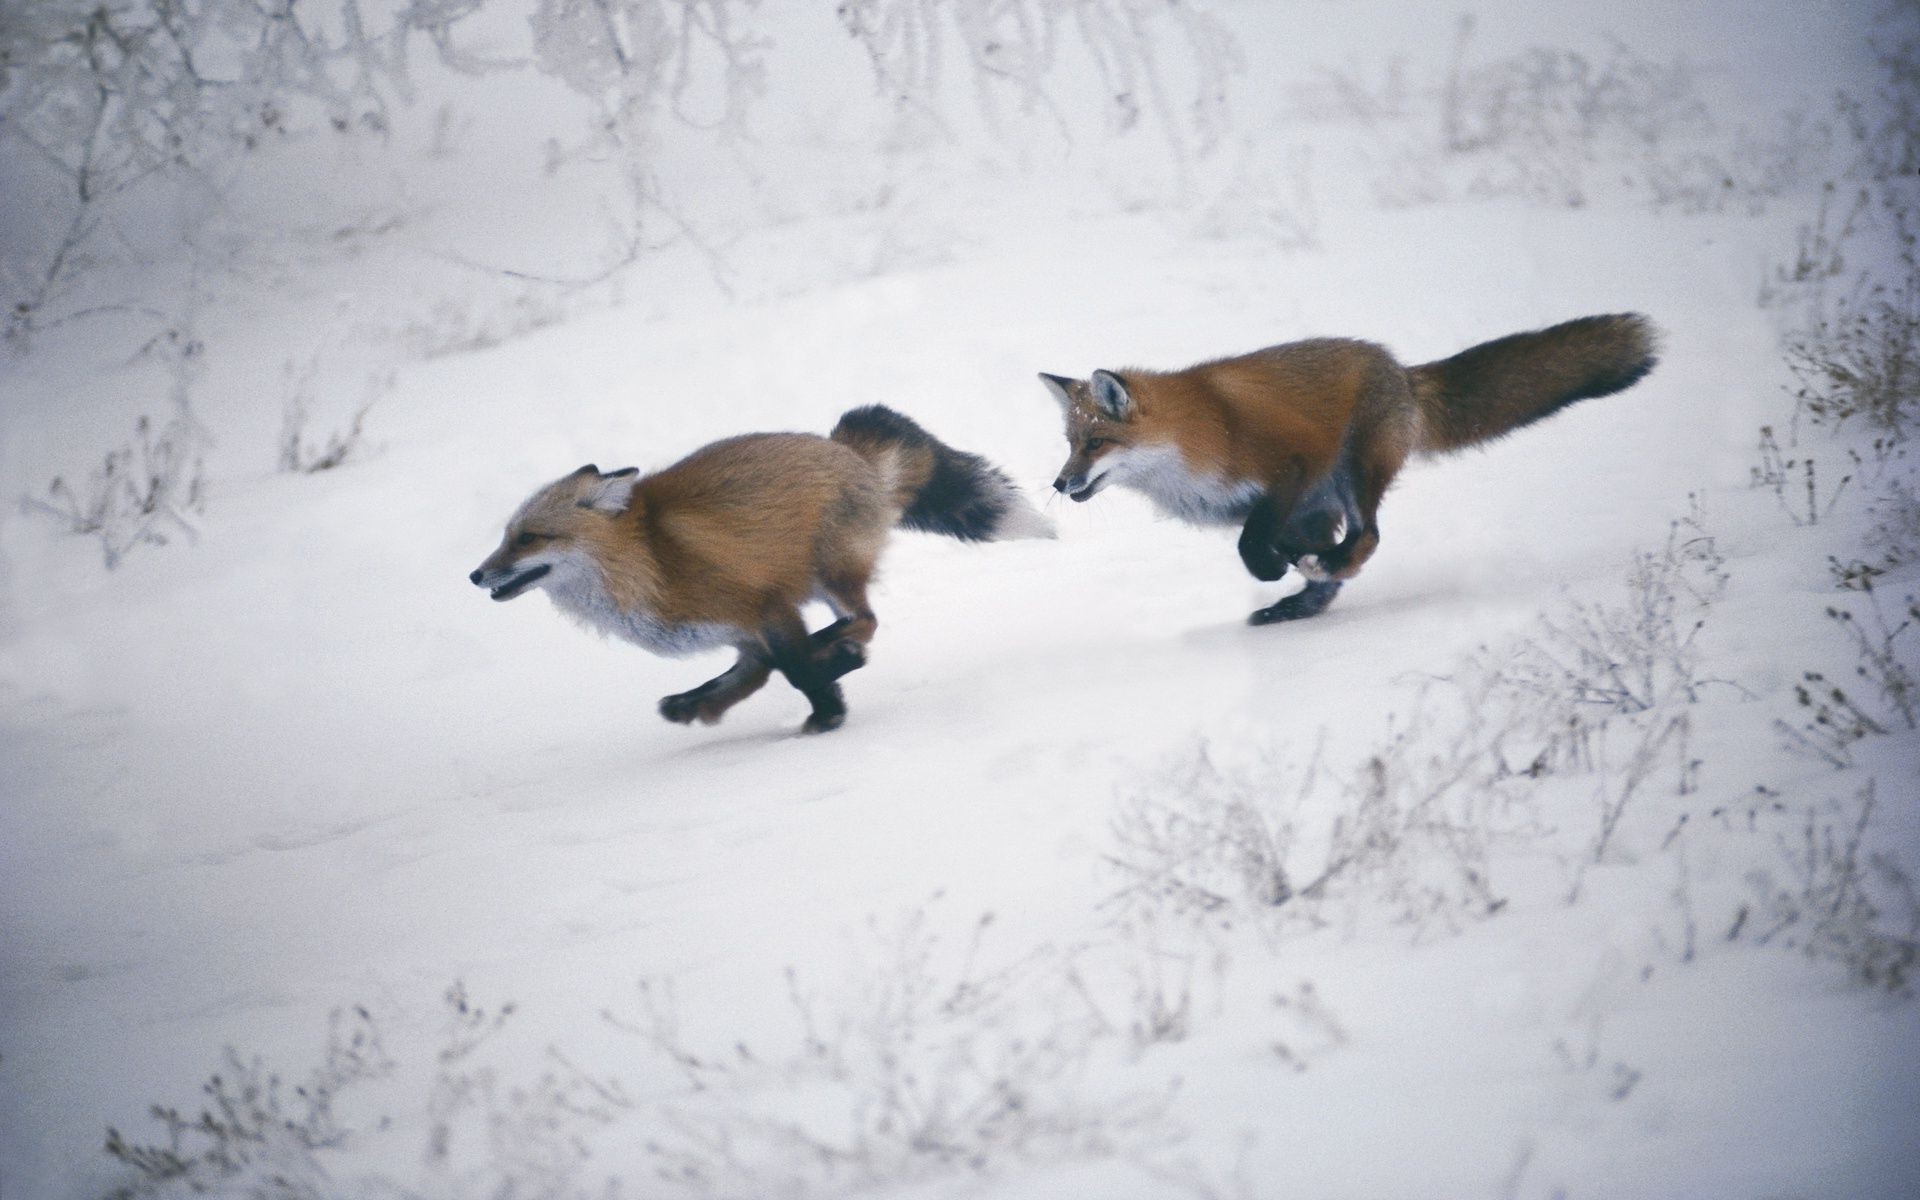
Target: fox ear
{"x":1110,"y":394}
{"x":589,"y":469}
{"x":1060,"y":386}
{"x":612,"y":493}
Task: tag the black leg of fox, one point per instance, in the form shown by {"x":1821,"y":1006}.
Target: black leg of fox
{"x":1288,"y":523}
{"x":790,"y":651}
{"x":708,"y":702}
{"x":1310,"y":601}
{"x":1261,"y":543}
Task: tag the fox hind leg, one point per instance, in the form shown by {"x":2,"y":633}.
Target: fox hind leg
{"x":710,"y":701}
{"x":1373,"y":471}
{"x":841,"y":647}
{"x":791,"y":652}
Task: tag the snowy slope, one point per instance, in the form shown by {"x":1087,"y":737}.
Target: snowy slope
{"x":301,"y":764}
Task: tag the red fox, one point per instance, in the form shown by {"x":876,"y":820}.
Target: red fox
{"x":1296,"y":444}
{"x":723,"y":548}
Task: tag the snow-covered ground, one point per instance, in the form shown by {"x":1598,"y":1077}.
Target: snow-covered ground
{"x":295,"y":765}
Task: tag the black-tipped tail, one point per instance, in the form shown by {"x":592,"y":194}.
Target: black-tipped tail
{"x":1497,"y":387}
{"x":940,"y":489}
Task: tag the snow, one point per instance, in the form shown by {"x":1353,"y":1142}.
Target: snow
{"x":300,"y":764}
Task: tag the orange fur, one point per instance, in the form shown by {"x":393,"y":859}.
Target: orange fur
{"x":1298,"y":443}
{"x":725,"y":546}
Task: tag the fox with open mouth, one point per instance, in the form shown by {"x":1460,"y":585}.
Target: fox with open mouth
{"x":724,"y":547}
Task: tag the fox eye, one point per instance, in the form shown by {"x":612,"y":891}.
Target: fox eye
{"x":1095,"y":443}
{"x":525,"y":539}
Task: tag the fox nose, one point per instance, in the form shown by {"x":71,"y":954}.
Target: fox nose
{"x":474,"y":578}
{"x":1060,"y":485}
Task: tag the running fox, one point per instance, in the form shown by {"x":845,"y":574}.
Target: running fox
{"x":1296,"y":444}
{"x":723,"y":548}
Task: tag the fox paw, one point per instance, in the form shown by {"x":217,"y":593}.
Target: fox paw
{"x":1310,"y":601}
{"x":685,"y":708}
{"x":825,"y":722}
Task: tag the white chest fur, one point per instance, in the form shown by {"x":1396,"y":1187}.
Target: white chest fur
{"x":1179,"y":491}
{"x":580,"y":594}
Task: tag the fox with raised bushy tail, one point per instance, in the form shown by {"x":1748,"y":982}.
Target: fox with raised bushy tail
{"x":724,"y":547}
{"x":1296,"y":444}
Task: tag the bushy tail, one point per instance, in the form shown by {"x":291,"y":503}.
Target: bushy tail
{"x":1499,"y":386}
{"x":940,"y":489}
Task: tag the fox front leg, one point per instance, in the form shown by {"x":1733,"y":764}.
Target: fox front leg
{"x":1306,"y":541}
{"x":1259,"y":541}
{"x":710,"y":701}
{"x":1280,"y":531}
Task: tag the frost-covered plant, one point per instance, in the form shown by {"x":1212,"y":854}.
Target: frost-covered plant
{"x":1535,"y":121}
{"x":145,"y":489}
{"x":102,"y":103}
{"x":1204,"y":838}
{"x":1410,"y":832}
{"x":1011,"y":52}
{"x":254,"y":1133}
{"x":303,"y":453}
{"x":1885,"y":661}
{"x":1833,"y":898}
{"x":1861,"y":363}
{"x":1795,"y":479}
{"x":1885,"y":125}
{"x":1638,"y":654}
{"x":921,"y":1069}
{"x":1821,"y":249}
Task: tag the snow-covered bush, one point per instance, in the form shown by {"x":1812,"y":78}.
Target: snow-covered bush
{"x":120,"y":116}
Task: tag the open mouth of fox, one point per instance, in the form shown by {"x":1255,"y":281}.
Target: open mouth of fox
{"x":1086,"y":493}
{"x":519,"y":583}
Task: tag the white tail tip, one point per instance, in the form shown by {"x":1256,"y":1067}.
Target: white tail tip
{"x":1022,"y":520}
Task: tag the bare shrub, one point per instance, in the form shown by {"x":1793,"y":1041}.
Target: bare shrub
{"x":144,"y":490}
{"x":1205,"y":839}
{"x":1895,"y":535}
{"x":1329,"y":95}
{"x":253,"y":1127}
{"x":123,"y":101}
{"x":1885,"y":126}
{"x":1411,"y":832}
{"x":1535,"y":121}
{"x":1833,"y":899}
{"x":1794,"y":479}
{"x":1881,"y":660}
{"x":1273,"y":203}
{"x":920,"y":1070}
{"x":1834,"y":721}
{"x":1821,"y":249}
{"x":302,"y":453}
{"x":1636,"y":655}
{"x":1011,"y":51}
{"x":1861,"y":363}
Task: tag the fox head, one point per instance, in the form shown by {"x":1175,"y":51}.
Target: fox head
{"x":547,"y":541}
{"x":1103,"y":428}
